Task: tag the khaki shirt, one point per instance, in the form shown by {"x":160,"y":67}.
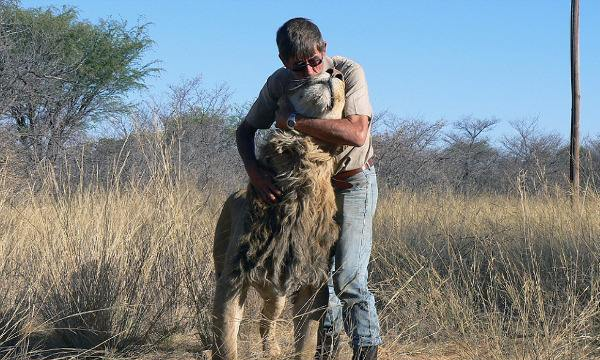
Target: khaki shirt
{"x":262,"y":113}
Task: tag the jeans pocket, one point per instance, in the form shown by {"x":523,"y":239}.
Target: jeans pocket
{"x":359,"y":181}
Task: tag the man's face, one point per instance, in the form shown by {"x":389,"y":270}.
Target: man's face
{"x":306,"y":67}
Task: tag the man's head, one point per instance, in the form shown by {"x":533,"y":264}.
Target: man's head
{"x":301,"y":47}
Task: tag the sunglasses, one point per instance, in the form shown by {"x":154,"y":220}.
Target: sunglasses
{"x":302,"y":65}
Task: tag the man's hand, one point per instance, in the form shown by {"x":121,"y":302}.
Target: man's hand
{"x":262,"y":181}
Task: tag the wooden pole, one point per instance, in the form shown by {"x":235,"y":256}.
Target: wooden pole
{"x":574,"y":151}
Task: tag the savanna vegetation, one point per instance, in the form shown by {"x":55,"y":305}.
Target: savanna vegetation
{"x":107,"y":210}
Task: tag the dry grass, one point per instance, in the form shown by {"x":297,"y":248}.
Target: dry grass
{"x":126,"y":272}
{"x":105,"y":269}
{"x":489,"y":277}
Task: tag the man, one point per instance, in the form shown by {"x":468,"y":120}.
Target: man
{"x":303,"y":54}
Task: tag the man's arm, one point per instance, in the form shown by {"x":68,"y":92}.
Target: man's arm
{"x":351,"y":130}
{"x":261,"y":179}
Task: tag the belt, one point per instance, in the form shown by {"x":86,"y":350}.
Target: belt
{"x":339,"y":180}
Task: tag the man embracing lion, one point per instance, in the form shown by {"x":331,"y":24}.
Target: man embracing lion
{"x":302,"y":52}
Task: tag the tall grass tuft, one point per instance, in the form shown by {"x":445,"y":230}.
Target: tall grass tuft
{"x":88,"y":269}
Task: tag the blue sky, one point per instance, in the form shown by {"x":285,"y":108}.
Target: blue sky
{"x":423,"y":59}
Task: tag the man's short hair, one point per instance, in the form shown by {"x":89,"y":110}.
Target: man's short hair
{"x":299,"y":37}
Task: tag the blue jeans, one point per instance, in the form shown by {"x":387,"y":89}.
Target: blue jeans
{"x":350,"y":301}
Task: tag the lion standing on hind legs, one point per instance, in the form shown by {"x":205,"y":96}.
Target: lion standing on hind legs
{"x":281,"y":249}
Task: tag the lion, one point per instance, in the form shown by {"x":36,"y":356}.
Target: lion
{"x":281,"y":249}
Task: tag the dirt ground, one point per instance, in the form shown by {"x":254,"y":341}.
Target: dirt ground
{"x":250,"y":349}
{"x":249,"y":344}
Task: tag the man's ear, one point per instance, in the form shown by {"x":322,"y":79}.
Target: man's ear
{"x":282,"y":59}
{"x":324,"y":47}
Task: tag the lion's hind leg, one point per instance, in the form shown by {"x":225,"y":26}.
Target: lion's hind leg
{"x":273,"y":305}
{"x":227,"y":227}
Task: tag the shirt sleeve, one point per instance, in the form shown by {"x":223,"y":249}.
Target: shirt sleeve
{"x":357,"y":92}
{"x":262,"y":112}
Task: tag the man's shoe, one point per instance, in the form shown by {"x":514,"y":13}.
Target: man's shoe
{"x":327,"y":347}
{"x":365,"y":353}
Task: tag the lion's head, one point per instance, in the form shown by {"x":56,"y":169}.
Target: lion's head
{"x":322,"y":96}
